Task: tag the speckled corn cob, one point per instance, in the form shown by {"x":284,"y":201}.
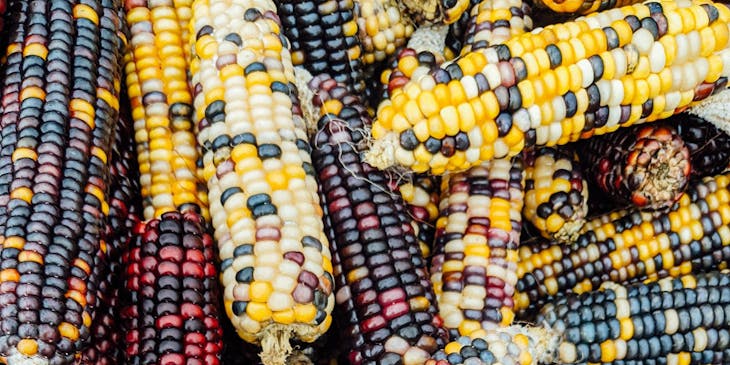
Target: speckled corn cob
{"x":556,"y":194}
{"x":693,"y":236}
{"x":172,"y":283}
{"x":496,"y":21}
{"x":59,"y":111}
{"x":105,"y":347}
{"x":709,"y":147}
{"x":382,"y":29}
{"x":156,"y":73}
{"x":386,"y":306}
{"x":647,"y":166}
{"x":421,"y":196}
{"x":643,"y":321}
{"x":276,"y":265}
{"x":473,"y":269}
{"x":583,"y":6}
{"x":616,"y":68}
{"x":324,"y":39}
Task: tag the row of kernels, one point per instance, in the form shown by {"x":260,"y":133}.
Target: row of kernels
{"x":421,"y":196}
{"x":276,"y":265}
{"x":496,"y":21}
{"x":631,"y":245}
{"x":383,"y":29}
{"x":477,"y":236}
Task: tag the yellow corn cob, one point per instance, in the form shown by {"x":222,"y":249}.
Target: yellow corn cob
{"x":556,"y":194}
{"x":565,"y":82}
{"x":383,"y":29}
{"x":474,"y":267}
{"x":156,"y":72}
{"x":276,"y":265}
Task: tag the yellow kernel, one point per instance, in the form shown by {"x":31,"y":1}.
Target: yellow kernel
{"x":258,"y":312}
{"x":68,"y":330}
{"x":305,"y":313}
{"x":27,"y":347}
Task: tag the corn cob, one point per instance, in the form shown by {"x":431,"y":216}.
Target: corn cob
{"x":709,"y":147}
{"x":60,"y":106}
{"x":457,"y":29}
{"x":124,"y":213}
{"x":474,"y":265}
{"x":276,"y":266}
{"x":496,"y":21}
{"x":642,"y":321}
{"x":644,"y":165}
{"x":387,"y":308}
{"x":156,"y":71}
{"x":613,"y":71}
{"x":632,"y":245}
{"x":323,"y":36}
{"x":556,"y":195}
{"x":583,"y":6}
{"x":421,"y":196}
{"x":172,"y":284}
{"x":382,"y":29}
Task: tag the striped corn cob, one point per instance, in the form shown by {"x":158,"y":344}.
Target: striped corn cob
{"x":496,"y":21}
{"x":156,"y":77}
{"x":616,"y":68}
{"x":473,"y":269}
{"x":172,"y":285}
{"x":644,"y":165}
{"x":709,"y":147}
{"x":384,"y":299}
{"x":276,"y":265}
{"x":421,"y":195}
{"x":582,"y":6}
{"x":59,"y":109}
{"x":687,"y":315}
{"x":556,"y":194}
{"x":124,"y":213}
{"x":324,"y":39}
{"x":382,"y":29}
{"x":623,"y":246}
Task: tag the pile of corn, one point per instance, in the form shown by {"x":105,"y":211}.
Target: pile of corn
{"x":365,"y":182}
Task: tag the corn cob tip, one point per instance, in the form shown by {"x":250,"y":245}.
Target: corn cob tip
{"x":714,"y":109}
{"x":275,"y":346}
{"x":20,"y":359}
{"x":570,"y":230}
{"x":429,"y":39}
{"x":381,"y":153}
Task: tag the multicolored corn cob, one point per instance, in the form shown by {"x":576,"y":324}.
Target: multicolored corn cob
{"x":276,"y":266}
{"x":616,"y":68}
{"x":556,"y":194}
{"x":474,"y":266}
{"x":387,"y":310}
{"x":156,"y":73}
{"x":324,"y":39}
{"x":173,"y":287}
{"x":59,"y":109}
{"x":494,"y":22}
{"x":382,"y":29}
{"x":105,"y":347}
{"x":583,"y":6}
{"x":709,"y":147}
{"x":683,"y":317}
{"x":645,"y":165}
{"x":421,"y":195}
{"x":624,"y":246}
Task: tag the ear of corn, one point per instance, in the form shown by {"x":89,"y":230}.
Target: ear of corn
{"x":382,"y":29}
{"x":387,"y":309}
{"x":59,"y":112}
{"x":106,"y":336}
{"x":324,"y":39}
{"x":474,"y":265}
{"x":496,"y":21}
{"x":625,"y":246}
{"x":156,"y":77}
{"x":556,"y":194}
{"x":709,"y":147}
{"x":616,"y":68}
{"x":275,"y":262}
{"x":645,"y":165}
{"x":678,"y":318}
